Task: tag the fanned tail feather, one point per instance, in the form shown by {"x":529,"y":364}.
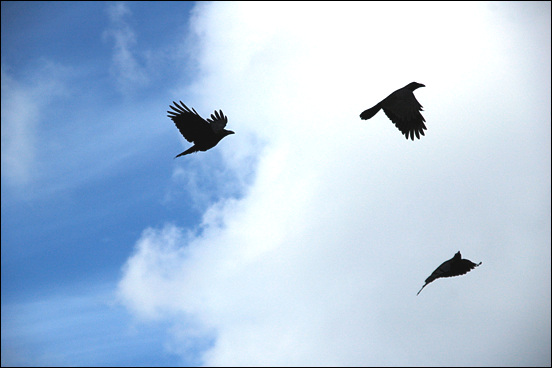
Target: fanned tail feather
{"x":367,"y":114}
{"x":189,"y":150}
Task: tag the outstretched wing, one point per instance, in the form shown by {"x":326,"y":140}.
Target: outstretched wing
{"x":461,"y":267}
{"x":218,"y":121}
{"x":192,"y":126}
{"x":443,"y":270}
{"x":450,"y":268}
{"x":402,"y":108}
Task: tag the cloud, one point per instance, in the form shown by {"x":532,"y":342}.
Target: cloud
{"x":319,"y":262}
{"x":75,"y":328}
{"x":126,"y":69}
{"x":23,"y":105}
{"x":19,"y":117}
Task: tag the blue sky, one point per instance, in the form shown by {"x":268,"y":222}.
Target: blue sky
{"x":303,"y":238}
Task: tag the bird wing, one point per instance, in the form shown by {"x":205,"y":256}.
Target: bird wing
{"x":442,"y":271}
{"x":192,"y":126}
{"x":402,"y":108}
{"x":218,"y":121}
{"x":462,"y":267}
{"x":452,"y":268}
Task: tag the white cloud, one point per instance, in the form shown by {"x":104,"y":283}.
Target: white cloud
{"x":319,"y":263}
{"x":19,"y":117}
{"x":23,"y":102}
{"x":126,"y":69}
{"x":73,"y":327}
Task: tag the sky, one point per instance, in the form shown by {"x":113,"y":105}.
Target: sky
{"x":301,"y":240}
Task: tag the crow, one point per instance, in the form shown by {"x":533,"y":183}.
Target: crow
{"x":455,"y":266}
{"x":205,"y":134}
{"x":403,"y":109}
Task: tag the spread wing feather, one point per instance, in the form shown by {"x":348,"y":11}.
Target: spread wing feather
{"x":218,"y":121}
{"x":192,"y":126}
{"x":404,"y":112}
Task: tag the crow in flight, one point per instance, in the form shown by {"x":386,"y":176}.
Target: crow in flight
{"x":203,"y":133}
{"x":403,"y":109}
{"x":455,"y":266}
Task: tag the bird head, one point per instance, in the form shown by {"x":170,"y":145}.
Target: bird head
{"x":414,"y":85}
{"x":227,"y":132}
{"x":458,"y":255}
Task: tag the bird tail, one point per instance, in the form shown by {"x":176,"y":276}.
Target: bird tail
{"x":189,"y":150}
{"x":367,"y":114}
{"x":421,"y":289}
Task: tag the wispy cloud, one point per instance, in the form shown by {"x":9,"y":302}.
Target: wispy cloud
{"x":19,"y":118}
{"x":126,"y":68}
{"x":76,"y":328}
{"x":23,"y":103}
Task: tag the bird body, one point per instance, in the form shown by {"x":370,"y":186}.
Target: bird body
{"x":205,"y":134}
{"x":402,"y":108}
{"x":455,"y":266}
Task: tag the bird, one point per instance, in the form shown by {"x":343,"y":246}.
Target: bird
{"x":403,"y":109}
{"x":205,"y":134}
{"x":455,"y":266}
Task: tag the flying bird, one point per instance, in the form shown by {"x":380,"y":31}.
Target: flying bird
{"x":455,"y":266}
{"x":204,"y":134}
{"x":403,"y":109}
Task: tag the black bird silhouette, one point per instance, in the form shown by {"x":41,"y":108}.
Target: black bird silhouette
{"x":203,"y":133}
{"x":455,"y":266}
{"x":403,"y":109}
